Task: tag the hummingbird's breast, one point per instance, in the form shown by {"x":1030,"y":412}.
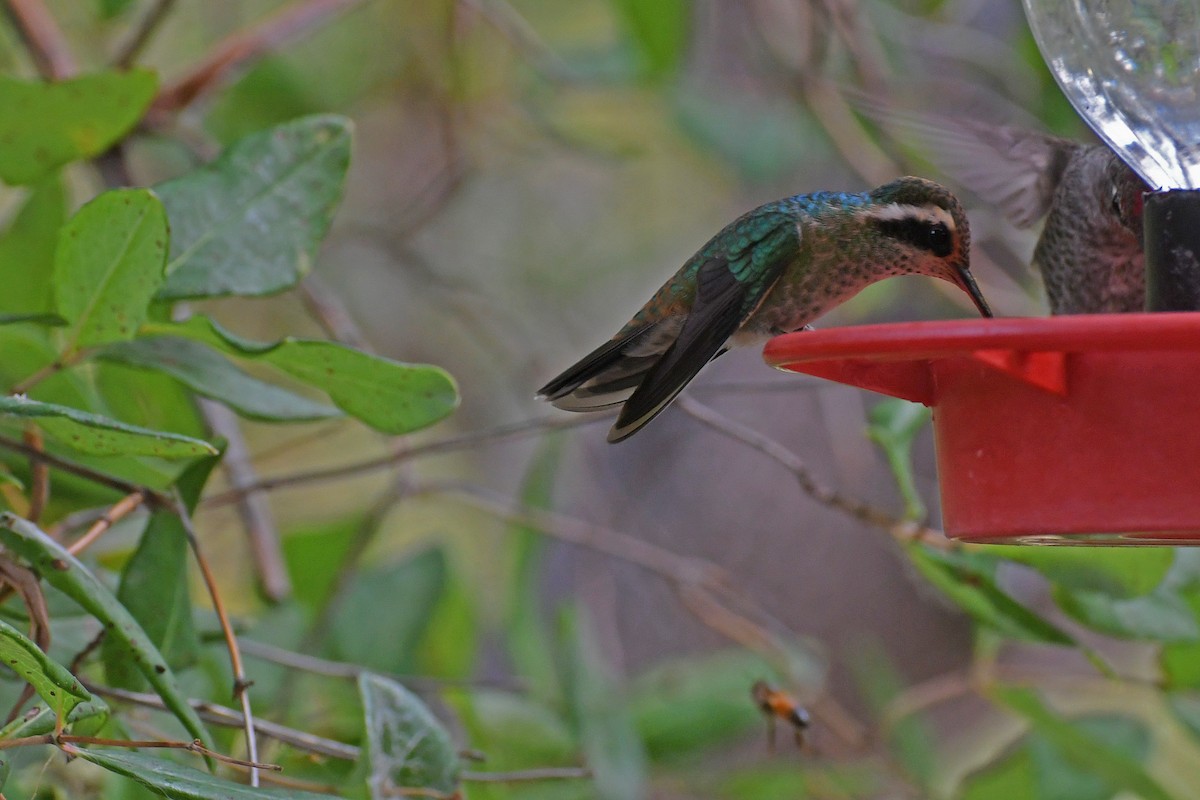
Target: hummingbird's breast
{"x":833,"y":263}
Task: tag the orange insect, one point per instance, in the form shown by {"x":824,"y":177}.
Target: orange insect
{"x":777,"y":704}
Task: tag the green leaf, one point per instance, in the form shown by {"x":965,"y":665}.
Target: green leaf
{"x":605,"y":727}
{"x":527,"y":634}
{"x":113,"y":8}
{"x":208,"y":373}
{"x":389,"y":642}
{"x":1161,"y":616}
{"x":1180,"y":664}
{"x":250,"y":222}
{"x":968,"y":579}
{"x":1040,"y":768}
{"x":1116,"y":571}
{"x":178,"y":782}
{"x":389,"y":396}
{"x":45,"y":125}
{"x":61,"y":690}
{"x":51,"y":320}
{"x":85,"y":719}
{"x":1117,"y":765}
{"x":911,"y":737}
{"x":27,"y":250}
{"x":686,"y":705}
{"x":516,"y":731}
{"x":660,"y":30}
{"x":893,"y":424}
{"x":67,"y":574}
{"x":101,"y":436}
{"x":154,"y":589}
{"x":1186,"y":708}
{"x":108,"y":265}
{"x":407,"y":747}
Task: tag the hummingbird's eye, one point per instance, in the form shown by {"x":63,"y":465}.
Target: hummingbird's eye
{"x":938,"y":239}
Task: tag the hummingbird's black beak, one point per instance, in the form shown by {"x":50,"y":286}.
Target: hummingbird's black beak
{"x":966,"y":282}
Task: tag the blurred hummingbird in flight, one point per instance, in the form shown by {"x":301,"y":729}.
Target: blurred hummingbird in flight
{"x":1089,"y":253}
{"x":772,"y":270}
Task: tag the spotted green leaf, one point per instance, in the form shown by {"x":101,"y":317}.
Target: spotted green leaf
{"x":101,"y":436}
{"x":108,"y":265}
{"x":67,"y":574}
{"x":390,"y":396}
{"x":209,"y":373}
{"x":53,"y":682}
{"x":249,"y":223}
{"x":44,"y":125}
{"x":177,"y":781}
{"x":408,"y":748}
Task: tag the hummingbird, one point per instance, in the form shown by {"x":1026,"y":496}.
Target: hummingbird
{"x":773,"y":270}
{"x":1089,"y":252}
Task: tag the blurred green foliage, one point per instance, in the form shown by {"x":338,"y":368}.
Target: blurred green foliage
{"x":401,"y":656}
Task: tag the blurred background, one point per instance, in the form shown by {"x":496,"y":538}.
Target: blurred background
{"x":525,"y":174}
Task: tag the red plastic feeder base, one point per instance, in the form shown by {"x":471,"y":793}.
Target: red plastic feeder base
{"x":1081,"y":429}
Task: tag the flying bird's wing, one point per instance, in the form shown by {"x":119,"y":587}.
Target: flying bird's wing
{"x":1017,"y":169}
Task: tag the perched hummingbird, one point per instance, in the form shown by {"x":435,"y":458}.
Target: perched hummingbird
{"x":1089,"y":253}
{"x":771,"y":271}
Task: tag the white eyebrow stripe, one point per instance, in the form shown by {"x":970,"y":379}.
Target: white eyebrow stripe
{"x":898,"y":211}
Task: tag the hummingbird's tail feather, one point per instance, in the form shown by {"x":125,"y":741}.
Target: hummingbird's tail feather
{"x":716,"y":315}
{"x":604,"y":377}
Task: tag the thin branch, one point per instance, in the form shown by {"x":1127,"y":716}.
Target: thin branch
{"x":147,"y":26}
{"x":347,"y":671}
{"x":450,"y":444}
{"x":194,"y":746}
{"x":223,"y":715}
{"x":329,"y":310}
{"x":240,"y":684}
{"x":527,"y":775}
{"x":42,"y":37}
{"x":900,"y":529}
{"x":684,"y":570}
{"x":242,"y":47}
{"x":697,"y":582}
{"x":123,"y":486}
{"x":44,"y":372}
{"x":253,"y":507}
{"x":39,"y":484}
{"x":119,"y":511}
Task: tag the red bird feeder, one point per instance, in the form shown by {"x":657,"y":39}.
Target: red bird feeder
{"x":1074,"y":429}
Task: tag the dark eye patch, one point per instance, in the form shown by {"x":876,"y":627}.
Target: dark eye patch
{"x":932,"y":236}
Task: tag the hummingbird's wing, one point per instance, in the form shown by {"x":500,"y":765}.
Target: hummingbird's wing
{"x":730,"y":286}
{"x":1012,"y":167}
{"x":1016,"y":169}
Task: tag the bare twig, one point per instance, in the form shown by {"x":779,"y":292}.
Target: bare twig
{"x":450,"y":444}
{"x":27,"y":584}
{"x":223,"y":715}
{"x":344,"y":670}
{"x":119,"y":510}
{"x":329,"y":310}
{"x":527,"y":775}
{"x":39,"y":474}
{"x":100,"y":478}
{"x":240,"y":684}
{"x":900,"y":529}
{"x":42,"y":38}
{"x":44,"y":372}
{"x":252,"y":506}
{"x":242,"y":47}
{"x":128,"y":52}
{"x":704,"y":588}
